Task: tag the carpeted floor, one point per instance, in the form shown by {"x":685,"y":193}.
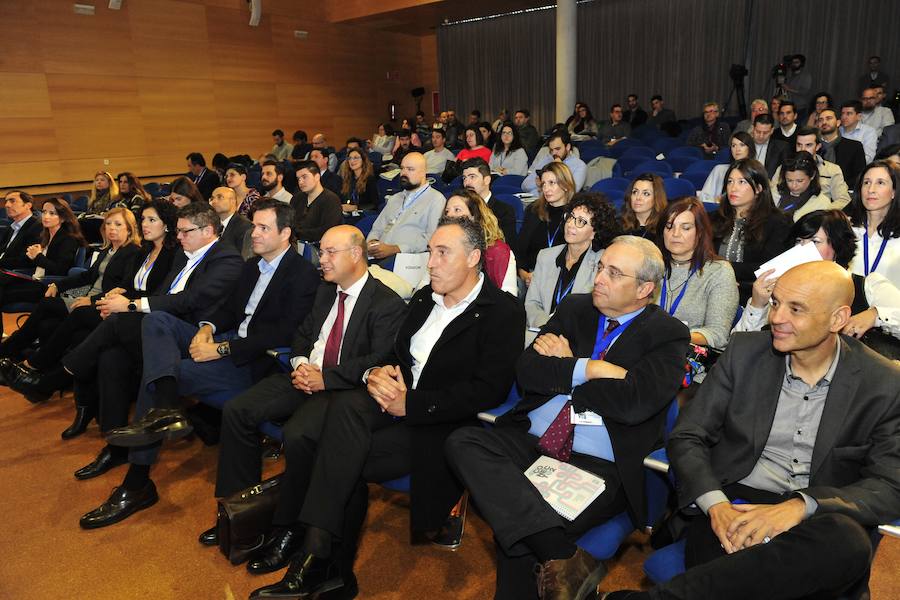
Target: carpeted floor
{"x":155,"y":554}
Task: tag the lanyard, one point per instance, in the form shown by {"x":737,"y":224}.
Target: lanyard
{"x":188,"y":267}
{"x":664,"y":293}
{"x":562,"y":293}
{"x":146,"y":271}
{"x":604,"y":339}
{"x":552,"y":239}
{"x":409,"y":201}
{"x":866,"y":251}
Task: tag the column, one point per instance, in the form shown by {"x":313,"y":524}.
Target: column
{"x":566,"y":39}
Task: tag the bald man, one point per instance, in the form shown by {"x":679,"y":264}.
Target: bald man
{"x":409,"y":217}
{"x":789,"y":455}
{"x":320,"y":143}
{"x":234,"y":226}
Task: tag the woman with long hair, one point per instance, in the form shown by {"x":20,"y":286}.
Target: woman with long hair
{"x":509,"y":156}
{"x":643,"y":206}
{"x":359,"y":185}
{"x":742,"y":147}
{"x":875,"y":212}
{"x":183,"y":191}
{"x":583,"y":122}
{"x":104,"y":193}
{"x":132,"y":194}
{"x":474,"y":146}
{"x":699,"y":288}
{"x":542,"y":227}
{"x":52,"y":256}
{"x":799,"y":187}
{"x":590,"y":226}
{"x":748,"y":228}
{"x":820,"y":102}
{"x":236,"y":179}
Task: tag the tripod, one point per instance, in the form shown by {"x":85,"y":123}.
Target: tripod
{"x":738,"y":90}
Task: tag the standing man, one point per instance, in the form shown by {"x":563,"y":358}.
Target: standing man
{"x":281,"y":150}
{"x":272,"y":181}
{"x":234,"y":226}
{"x":205,"y":180}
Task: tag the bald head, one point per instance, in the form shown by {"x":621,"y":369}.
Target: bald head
{"x":830,"y":284}
{"x":224,"y":201}
{"x":342,"y":255}
{"x":412,"y":171}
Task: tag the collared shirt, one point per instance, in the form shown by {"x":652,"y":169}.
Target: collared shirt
{"x":16,"y":226}
{"x":761,"y":150}
{"x":227,"y":220}
{"x":878,"y":118}
{"x":786,"y":460}
{"x":199,"y":176}
{"x":266,"y":272}
{"x":422,"y":342}
{"x":317,"y":354}
{"x":589,"y":439}
{"x":865,"y":135}
{"x":180,"y":281}
{"x":788,"y":132}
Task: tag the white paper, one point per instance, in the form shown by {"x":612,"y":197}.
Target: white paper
{"x":411,"y":266}
{"x":584,"y":418}
{"x":565,"y":487}
{"x":799,"y":254}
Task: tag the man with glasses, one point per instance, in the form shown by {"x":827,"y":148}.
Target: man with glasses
{"x":875,"y":116}
{"x":351,"y":327}
{"x":597,"y":383}
{"x":316,"y":210}
{"x":712,"y":134}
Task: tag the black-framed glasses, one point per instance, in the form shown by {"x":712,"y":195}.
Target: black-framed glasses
{"x":580,"y":222}
{"x":180,"y":231}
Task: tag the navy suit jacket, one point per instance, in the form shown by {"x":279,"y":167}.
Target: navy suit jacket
{"x":13,"y":256}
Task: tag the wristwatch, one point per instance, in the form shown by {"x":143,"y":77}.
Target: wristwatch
{"x":132,"y":306}
{"x":224,"y":349}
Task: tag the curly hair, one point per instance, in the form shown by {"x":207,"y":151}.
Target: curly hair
{"x":603,"y":217}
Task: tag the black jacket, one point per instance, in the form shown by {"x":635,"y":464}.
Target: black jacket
{"x":12,"y":256}
{"x":158,"y":273}
{"x":774,"y":242}
{"x":312,"y":221}
{"x":60,"y":255}
{"x":209,"y":181}
{"x":119,"y":271}
{"x":851,"y":158}
{"x":234,"y":232}
{"x":775,"y":154}
{"x":506,"y":217}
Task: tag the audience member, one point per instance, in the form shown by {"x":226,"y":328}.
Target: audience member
{"x":874,"y":76}
{"x":635,"y":116}
{"x":476,"y":176}
{"x":848,"y":154}
{"x":226,"y":351}
{"x":509,"y":157}
{"x":499,"y":261}
{"x":831,"y":178}
{"x":454,"y":131}
{"x":234,"y":226}
{"x":302,"y":147}
{"x":544,"y":217}
{"x":775,"y":506}
{"x":852,"y":128}
{"x":414,"y":139}
{"x":616,"y":129}
{"x":52,"y":255}
{"x":798,"y":187}
{"x":875,"y":211}
{"x":646,"y":200}
{"x":272,"y":181}
{"x":23,"y":232}
{"x":590,"y":225}
{"x":220,"y":164}
{"x":474,"y":118}
{"x":404,"y":145}
{"x":743,"y":146}
{"x":359,"y":186}
{"x":583,"y":123}
{"x":820,"y":102}
{"x":319,"y":142}
{"x":876,"y":117}
{"x":798,"y":83}
{"x":559,"y":145}
{"x":282,"y":150}
{"x":699,"y":288}
{"x":104,"y":193}
{"x":890,"y":136}
{"x":182,"y":192}
{"x":421,"y":128}
{"x":758,"y":107}
{"x":236,"y":179}
{"x":659,"y":114}
{"x":205,"y":180}
{"x":316,"y":210}
{"x":530,"y":137}
{"x":383,"y":141}
{"x":409,"y":217}
{"x":487,"y":135}
{"x":502,"y":117}
{"x":132,"y":194}
{"x":330,"y":180}
{"x":474,"y":147}
{"x":767,"y":150}
{"x":787,"y":117}
{"x":616,"y":360}
{"x":748,"y":228}
{"x":775,"y":105}
{"x":432,"y":383}
{"x":436,"y":158}
{"x":712,"y":135}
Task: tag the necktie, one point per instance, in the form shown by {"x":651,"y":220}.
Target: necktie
{"x":557,"y":440}
{"x":333,"y":343}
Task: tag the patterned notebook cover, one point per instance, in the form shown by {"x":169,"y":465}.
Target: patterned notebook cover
{"x":565,"y":487}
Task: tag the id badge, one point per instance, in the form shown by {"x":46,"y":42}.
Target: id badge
{"x":585,"y":418}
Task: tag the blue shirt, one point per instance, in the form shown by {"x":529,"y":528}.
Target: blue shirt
{"x":592,"y":440}
{"x":575,"y":164}
{"x":266,"y":271}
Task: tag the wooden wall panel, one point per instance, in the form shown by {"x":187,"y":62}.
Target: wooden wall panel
{"x":143,"y":86}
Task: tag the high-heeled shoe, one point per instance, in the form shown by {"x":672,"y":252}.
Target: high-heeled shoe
{"x":83,"y":417}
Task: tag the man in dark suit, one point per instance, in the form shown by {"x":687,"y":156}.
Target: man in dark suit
{"x":205,"y":180}
{"x":316,"y":210}
{"x":24,"y":231}
{"x":476,"y":176}
{"x":634,"y":115}
{"x":454,"y":356}
{"x":801,"y":423}
{"x":226,"y":352}
{"x":614,"y":358}
{"x":371,"y":314}
{"x":330,"y":180}
{"x":235,"y":227}
{"x":769,"y":151}
{"x":848,"y":154}
{"x":890,"y":136}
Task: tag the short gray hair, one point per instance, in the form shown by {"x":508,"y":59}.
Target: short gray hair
{"x":652,"y":267}
{"x":473,"y":235}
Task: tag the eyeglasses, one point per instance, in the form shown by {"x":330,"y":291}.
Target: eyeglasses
{"x":614,"y":273}
{"x":330,"y":252}
{"x":580,"y":222}
{"x":180,"y":231}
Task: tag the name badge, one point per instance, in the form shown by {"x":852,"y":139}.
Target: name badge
{"x":585,"y":418}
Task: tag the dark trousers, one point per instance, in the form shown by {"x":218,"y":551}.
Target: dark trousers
{"x":825,"y":556}
{"x":71,"y":331}
{"x":13,"y":289}
{"x":43,"y":320}
{"x":491,"y":463}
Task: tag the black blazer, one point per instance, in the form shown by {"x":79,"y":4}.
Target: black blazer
{"x":777,"y":151}
{"x":209,"y":181}
{"x":158,"y":273}
{"x":470,"y":369}
{"x":369,"y":197}
{"x":851,"y":158}
{"x":652,"y":349}
{"x":332,"y":181}
{"x":368,"y":339}
{"x":533,"y":236}
{"x":506,"y":217}
{"x":119,"y":271}
{"x":286,"y":302}
{"x":855,"y":470}
{"x":311,"y":222}
{"x":774,"y":242}
{"x":233,"y":234}
{"x":60,"y":255}
{"x":205,"y":290}
{"x":13,"y":256}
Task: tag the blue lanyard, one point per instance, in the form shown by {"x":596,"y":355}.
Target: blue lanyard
{"x":665,"y":289}
{"x":552,"y":239}
{"x":413,"y":198}
{"x":604,"y":339}
{"x":189,"y":267}
{"x":562,"y":293}
{"x":140,"y":282}
{"x":866,"y":251}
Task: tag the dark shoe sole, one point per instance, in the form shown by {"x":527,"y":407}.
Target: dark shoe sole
{"x":121,"y":516}
{"x":328,"y":586}
{"x":175,"y":431}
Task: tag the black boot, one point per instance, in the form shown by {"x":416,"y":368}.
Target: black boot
{"x":83,"y":416}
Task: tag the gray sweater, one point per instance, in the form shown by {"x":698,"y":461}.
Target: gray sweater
{"x":710,"y":302}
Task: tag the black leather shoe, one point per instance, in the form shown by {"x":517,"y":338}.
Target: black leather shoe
{"x":276,"y":554}
{"x":6,"y":366}
{"x":306,"y":576}
{"x":120,"y":505}
{"x":157,"y":425}
{"x":105,"y":461}
{"x":83,"y":417}
{"x":27,"y":382}
{"x":450,"y":535}
{"x":210,"y":537}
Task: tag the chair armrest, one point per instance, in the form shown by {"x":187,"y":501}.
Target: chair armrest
{"x":657,"y":461}
{"x":892,"y":529}
{"x":282,"y":355}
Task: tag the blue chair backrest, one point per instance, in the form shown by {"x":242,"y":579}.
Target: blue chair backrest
{"x":676,"y":188}
{"x":644,"y":152}
{"x":691,"y":151}
{"x":510,"y":181}
{"x":696,"y":178}
{"x":701,"y":166}
{"x":680,"y":164}
{"x":611,"y":184}
{"x":365,"y":224}
{"x":657,"y":167}
{"x":665,"y":145}
{"x":619,"y":149}
{"x":516,"y":203}
{"x":625,"y":165}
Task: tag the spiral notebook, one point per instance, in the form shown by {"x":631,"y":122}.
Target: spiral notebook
{"x":565,"y":487}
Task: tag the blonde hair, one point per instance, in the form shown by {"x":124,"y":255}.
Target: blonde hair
{"x":113,"y":190}
{"x":134,"y":234}
{"x":565,"y":181}
{"x":481,"y":214}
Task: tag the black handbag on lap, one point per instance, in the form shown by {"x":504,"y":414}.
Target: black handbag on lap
{"x":245,"y":517}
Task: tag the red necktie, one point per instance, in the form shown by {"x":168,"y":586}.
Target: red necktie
{"x":557,"y":440}
{"x":333,"y":343}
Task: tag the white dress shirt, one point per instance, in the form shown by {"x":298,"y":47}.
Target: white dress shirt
{"x":178,"y":284}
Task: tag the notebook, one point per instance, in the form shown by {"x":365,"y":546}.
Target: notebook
{"x":565,"y":487}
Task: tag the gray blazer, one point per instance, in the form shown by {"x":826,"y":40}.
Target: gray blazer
{"x":543,"y":282}
{"x":855,"y":469}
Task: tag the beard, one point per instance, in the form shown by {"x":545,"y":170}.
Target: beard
{"x":268,"y":187}
{"x":406,"y":184}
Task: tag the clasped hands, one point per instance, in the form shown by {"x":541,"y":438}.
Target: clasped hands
{"x":740,"y":526}
{"x":307,"y":378}
{"x":386,"y":386}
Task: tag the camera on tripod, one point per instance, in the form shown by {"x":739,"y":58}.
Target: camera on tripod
{"x":779,"y":71}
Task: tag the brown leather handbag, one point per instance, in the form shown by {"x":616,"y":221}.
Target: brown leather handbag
{"x":245,"y":517}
